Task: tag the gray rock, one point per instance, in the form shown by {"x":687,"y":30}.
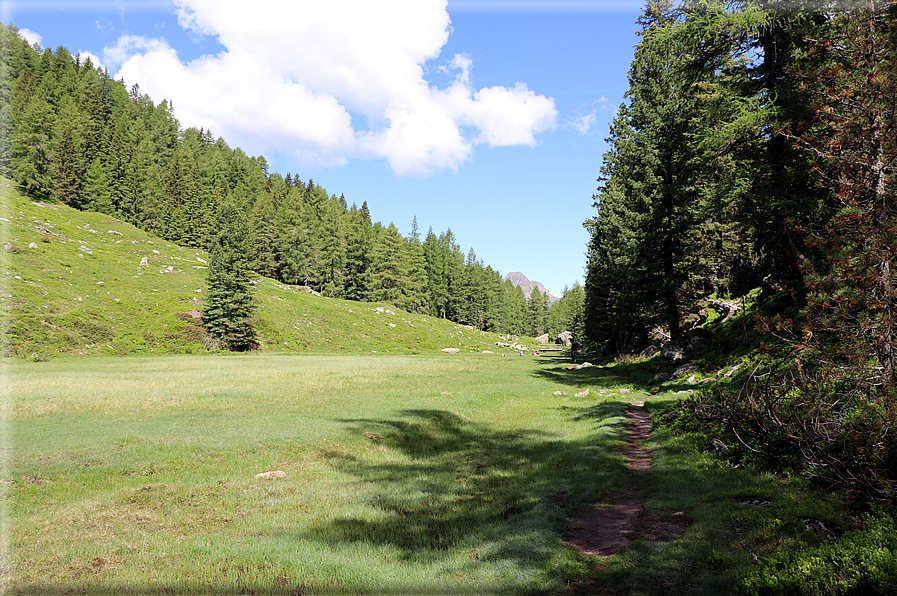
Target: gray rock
{"x":685,"y":369}
{"x":451,"y":350}
{"x":543,"y":339}
{"x":583,"y":393}
{"x":114,"y":233}
{"x":32,"y":245}
{"x":715,"y":444}
{"x":663,"y":377}
{"x":672,"y":350}
{"x":566,"y":338}
{"x":648,"y":352}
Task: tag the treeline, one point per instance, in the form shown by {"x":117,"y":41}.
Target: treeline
{"x":71,"y":133}
{"x":758,"y":148}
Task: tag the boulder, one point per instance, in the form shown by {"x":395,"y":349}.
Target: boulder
{"x":648,"y":352}
{"x":682,"y":348}
{"x":662,"y":377}
{"x":451,"y":350}
{"x":543,"y":339}
{"x":144,"y":262}
{"x":566,"y":338}
{"x":672,"y":350}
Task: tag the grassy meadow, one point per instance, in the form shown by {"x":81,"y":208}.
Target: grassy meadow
{"x":415,"y":474}
{"x":421,"y":474}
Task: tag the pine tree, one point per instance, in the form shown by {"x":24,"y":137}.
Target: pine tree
{"x":228,"y":309}
{"x":66,"y":179}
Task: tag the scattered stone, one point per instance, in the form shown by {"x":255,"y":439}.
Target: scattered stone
{"x":579,"y":366}
{"x":451,"y":350}
{"x":144,"y":262}
{"x":488,"y":352}
{"x":201,"y":260}
{"x":583,"y":393}
{"x":818,"y":528}
{"x":32,"y":245}
{"x":87,"y":226}
{"x":273,"y":474}
{"x":685,"y":369}
{"x":705,"y":381}
{"x":391,"y":324}
{"x":558,"y":393}
{"x":732,"y":370}
{"x":85,"y":249}
{"x":114,"y":233}
{"x":757,"y":503}
{"x":156,"y":252}
{"x":692,"y":379}
{"x":684,"y":391}
{"x":625,"y":390}
{"x":662,"y":377}
{"x":715,"y":444}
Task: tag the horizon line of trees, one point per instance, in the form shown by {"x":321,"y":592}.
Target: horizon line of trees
{"x":70,"y":132}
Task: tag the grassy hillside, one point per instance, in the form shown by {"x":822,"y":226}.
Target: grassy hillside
{"x":73,"y":283}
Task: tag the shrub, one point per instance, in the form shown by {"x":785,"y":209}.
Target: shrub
{"x":861,"y":562}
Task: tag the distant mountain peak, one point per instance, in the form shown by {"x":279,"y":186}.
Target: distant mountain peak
{"x":521,"y":281}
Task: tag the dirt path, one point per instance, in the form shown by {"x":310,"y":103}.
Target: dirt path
{"x":614,"y":525}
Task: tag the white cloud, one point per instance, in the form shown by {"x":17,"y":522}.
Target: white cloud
{"x":94,"y":59}
{"x":293,"y":73}
{"x":587,"y":116}
{"x":30,"y":36}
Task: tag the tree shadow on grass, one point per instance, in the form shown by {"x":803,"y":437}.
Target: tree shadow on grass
{"x":555,"y":370}
{"x":498,"y":495}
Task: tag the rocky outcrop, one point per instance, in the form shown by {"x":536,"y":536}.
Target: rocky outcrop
{"x":566,"y":338}
{"x":520,"y":280}
{"x":683,"y":348}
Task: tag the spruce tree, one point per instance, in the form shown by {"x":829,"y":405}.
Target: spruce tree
{"x":229,"y":304}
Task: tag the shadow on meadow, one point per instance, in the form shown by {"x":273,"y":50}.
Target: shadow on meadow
{"x":493,"y":495}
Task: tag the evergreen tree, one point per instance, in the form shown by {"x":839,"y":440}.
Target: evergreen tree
{"x":66,"y":170}
{"x":228,"y":309}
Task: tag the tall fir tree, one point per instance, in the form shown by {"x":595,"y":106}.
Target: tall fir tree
{"x":229,"y":306}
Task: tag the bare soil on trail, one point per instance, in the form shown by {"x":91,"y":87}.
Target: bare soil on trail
{"x":613,"y":526}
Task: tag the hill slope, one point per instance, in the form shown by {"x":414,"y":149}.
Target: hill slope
{"x":72,"y":282}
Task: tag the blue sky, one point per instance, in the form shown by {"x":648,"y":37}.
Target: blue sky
{"x":484,"y":116}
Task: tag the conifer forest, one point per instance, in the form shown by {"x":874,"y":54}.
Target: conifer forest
{"x":756,"y":150}
{"x":73,"y":134}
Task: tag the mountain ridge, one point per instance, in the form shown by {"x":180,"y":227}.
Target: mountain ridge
{"x":521,"y":281}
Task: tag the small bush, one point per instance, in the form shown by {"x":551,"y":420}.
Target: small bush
{"x":861,"y":562}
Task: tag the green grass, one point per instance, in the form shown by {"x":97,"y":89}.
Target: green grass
{"x":404,"y":474}
{"x":79,"y":289}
